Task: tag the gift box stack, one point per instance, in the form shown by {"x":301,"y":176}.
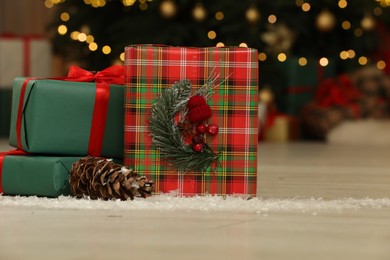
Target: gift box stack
{"x":58,"y":121}
{"x":20,"y":56}
{"x":55,"y":122}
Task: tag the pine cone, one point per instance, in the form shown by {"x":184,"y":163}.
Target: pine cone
{"x":98,"y":177}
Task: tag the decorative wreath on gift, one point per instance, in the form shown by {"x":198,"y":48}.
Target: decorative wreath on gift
{"x":171,"y":137}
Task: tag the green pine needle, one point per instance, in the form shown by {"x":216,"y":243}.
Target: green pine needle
{"x":166,"y":136}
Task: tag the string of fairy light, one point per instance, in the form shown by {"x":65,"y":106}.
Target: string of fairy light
{"x":326,"y":21}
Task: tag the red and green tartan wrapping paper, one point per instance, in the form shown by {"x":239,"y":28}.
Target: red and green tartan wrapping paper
{"x":149,"y":69}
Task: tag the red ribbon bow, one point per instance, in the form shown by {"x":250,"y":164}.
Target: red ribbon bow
{"x":339,"y":92}
{"x":110,"y":75}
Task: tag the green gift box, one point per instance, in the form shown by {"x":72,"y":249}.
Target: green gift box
{"x":36,"y":175}
{"x":299,"y":82}
{"x":5,"y":111}
{"x":57,"y":117}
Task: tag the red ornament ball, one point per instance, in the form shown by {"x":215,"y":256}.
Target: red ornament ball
{"x":198,"y":139}
{"x":197,"y":147}
{"x":212,"y":129}
{"x":196,"y":101}
{"x":201,"y":128}
{"x":200,"y":114}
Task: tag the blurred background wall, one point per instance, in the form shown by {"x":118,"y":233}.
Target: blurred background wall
{"x":24,"y":17}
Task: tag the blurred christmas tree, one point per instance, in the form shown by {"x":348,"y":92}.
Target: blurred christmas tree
{"x":94,"y":33}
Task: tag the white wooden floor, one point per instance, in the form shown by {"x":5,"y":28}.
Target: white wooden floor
{"x":286,"y":171}
{"x":322,"y":170}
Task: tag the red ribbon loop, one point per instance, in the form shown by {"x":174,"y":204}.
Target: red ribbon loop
{"x":111,"y":75}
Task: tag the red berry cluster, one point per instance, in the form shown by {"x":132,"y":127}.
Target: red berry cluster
{"x":199,"y":111}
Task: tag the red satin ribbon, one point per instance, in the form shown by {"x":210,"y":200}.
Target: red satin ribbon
{"x":113,"y":75}
{"x":299,"y":90}
{"x":20,"y":112}
{"x":26,"y":56}
{"x":320,"y":73}
{"x":2,"y":156}
{"x":103,"y":79}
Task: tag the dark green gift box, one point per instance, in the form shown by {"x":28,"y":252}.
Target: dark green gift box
{"x":5,"y":111}
{"x":57,"y":118}
{"x":36,"y":175}
{"x":299,"y":83}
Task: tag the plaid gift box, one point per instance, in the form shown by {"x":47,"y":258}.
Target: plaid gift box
{"x":149,"y":69}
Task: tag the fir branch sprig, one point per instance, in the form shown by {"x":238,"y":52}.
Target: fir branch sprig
{"x":166,"y":135}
